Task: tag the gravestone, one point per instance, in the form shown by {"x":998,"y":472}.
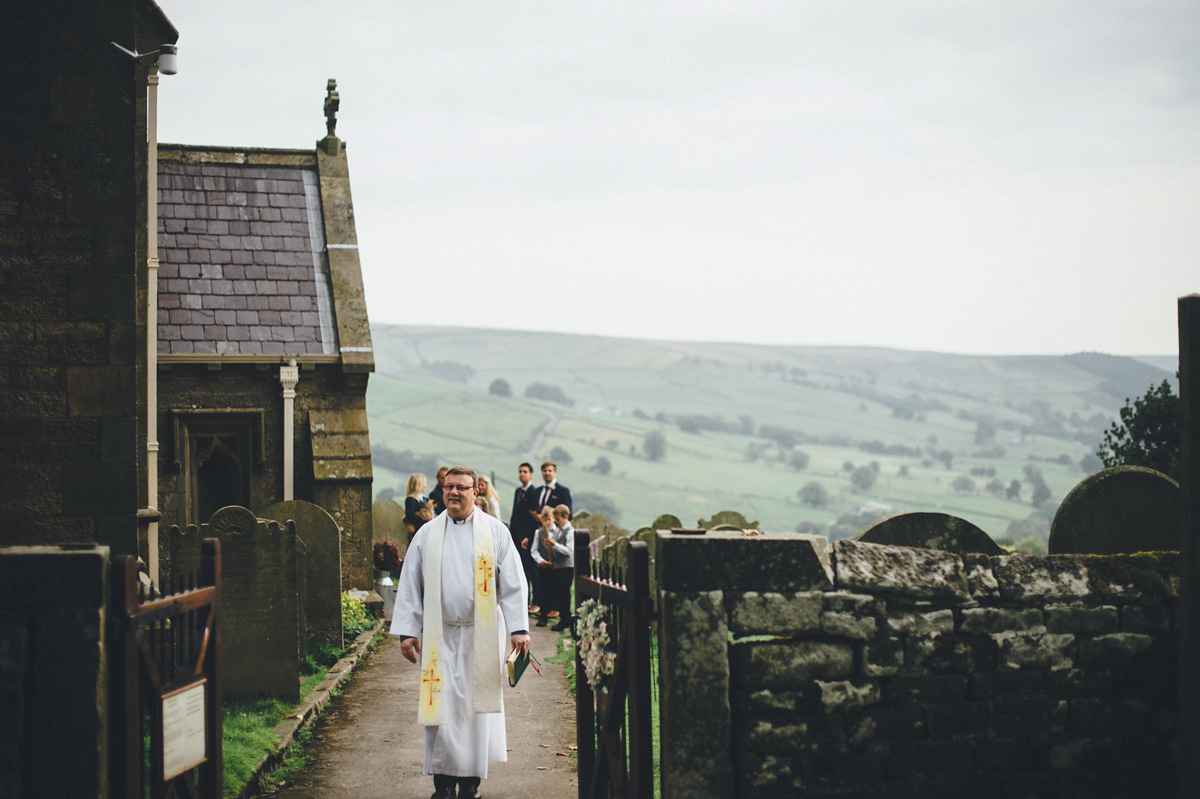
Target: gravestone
{"x":260,"y":609}
{"x":1118,"y":510}
{"x":183,"y":553}
{"x":930,"y":531}
{"x":730,"y":518}
{"x":666,"y":522}
{"x":322,"y":566}
{"x":387,"y":521}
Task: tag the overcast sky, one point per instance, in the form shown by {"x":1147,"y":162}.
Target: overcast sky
{"x":977,"y":177}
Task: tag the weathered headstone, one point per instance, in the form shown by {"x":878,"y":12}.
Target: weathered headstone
{"x":387,"y":523}
{"x":259,"y":604}
{"x":1118,"y":510}
{"x":731,"y":518}
{"x":929,"y":531}
{"x":666,"y":522}
{"x":322,"y":566}
{"x":183,"y":553}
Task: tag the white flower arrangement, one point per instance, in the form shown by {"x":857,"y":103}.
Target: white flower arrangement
{"x":598,"y":659}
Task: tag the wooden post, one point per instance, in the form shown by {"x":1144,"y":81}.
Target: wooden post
{"x":641,"y":743}
{"x":585,"y":703}
{"x":1188,"y":752}
{"x":211,"y":771}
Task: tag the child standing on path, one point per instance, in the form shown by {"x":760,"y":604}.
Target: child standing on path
{"x":555,"y":556}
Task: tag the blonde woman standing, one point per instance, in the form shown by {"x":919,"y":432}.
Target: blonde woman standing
{"x":488,"y":499}
{"x":417,"y":508}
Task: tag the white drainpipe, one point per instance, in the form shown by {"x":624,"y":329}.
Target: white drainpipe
{"x":152,"y":320}
{"x":289,"y":376}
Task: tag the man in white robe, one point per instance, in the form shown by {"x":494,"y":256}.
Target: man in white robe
{"x":483,"y":596}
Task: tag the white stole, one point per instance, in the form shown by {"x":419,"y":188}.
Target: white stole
{"x":486,"y":642}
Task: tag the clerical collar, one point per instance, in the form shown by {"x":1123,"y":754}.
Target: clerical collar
{"x":458,"y":521}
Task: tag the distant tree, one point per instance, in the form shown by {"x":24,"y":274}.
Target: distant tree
{"x":638,"y":413}
{"x":612,"y":444}
{"x":799,"y":460}
{"x":995,"y":487}
{"x":655,"y":445}
{"x":813,"y":494}
{"x":1030,"y":545}
{"x":902,"y":471}
{"x":688,"y":424}
{"x":1041,"y":491}
{"x":561,"y":456}
{"x":985,"y":430}
{"x":963,"y":484}
{"x":946,"y":457}
{"x":602,"y":465}
{"x":1148,"y":433}
{"x":548,"y":393}
{"x":386,"y":493}
{"x":810,"y":528}
{"x":746,"y":425}
{"x":847,"y":466}
{"x":500,"y":388}
{"x":596,"y":503}
{"x":862,"y":479}
{"x":1014,"y":490}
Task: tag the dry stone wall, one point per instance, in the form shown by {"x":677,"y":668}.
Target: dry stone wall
{"x":857,"y":669}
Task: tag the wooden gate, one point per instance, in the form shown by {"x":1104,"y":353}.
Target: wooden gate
{"x":166,"y":684}
{"x":613,"y":726}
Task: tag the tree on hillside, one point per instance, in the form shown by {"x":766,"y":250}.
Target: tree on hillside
{"x":500,"y":388}
{"x":813,"y":494}
{"x":602,"y":465}
{"x":1041,"y":491}
{"x":549,"y":393}
{"x":996,"y":487}
{"x":862,"y":479}
{"x":963,"y":484}
{"x":655,"y":445}
{"x":1148,"y":433}
{"x":560,"y":456}
{"x":799,"y":460}
{"x":1013,"y":491}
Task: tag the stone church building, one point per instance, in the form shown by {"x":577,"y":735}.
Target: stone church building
{"x":264,"y":347}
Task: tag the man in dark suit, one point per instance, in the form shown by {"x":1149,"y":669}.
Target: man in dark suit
{"x":522,"y":524}
{"x":553,"y":493}
{"x":439,"y":502}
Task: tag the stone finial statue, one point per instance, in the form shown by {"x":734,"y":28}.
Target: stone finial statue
{"x":331,"y":107}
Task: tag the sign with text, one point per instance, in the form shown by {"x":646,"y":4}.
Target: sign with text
{"x":183,"y":733}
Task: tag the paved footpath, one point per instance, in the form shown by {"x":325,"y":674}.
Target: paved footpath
{"x":368,"y":744}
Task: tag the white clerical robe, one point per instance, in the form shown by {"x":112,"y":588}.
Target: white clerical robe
{"x":465,"y":741}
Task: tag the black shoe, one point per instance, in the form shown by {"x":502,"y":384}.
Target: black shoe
{"x":541,"y":622}
{"x":565,"y":624}
{"x":443,"y":787}
{"x":468,"y":788}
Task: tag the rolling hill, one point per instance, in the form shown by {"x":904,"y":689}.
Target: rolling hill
{"x":746,"y":426}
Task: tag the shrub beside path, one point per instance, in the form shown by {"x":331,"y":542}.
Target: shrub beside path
{"x":368,"y":744}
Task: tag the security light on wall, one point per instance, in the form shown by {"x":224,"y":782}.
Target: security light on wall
{"x":166,"y":57}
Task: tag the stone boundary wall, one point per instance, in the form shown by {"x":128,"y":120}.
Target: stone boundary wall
{"x":53,"y":672}
{"x":796,"y":667}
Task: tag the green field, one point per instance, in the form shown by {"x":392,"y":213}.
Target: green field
{"x":430,"y":398}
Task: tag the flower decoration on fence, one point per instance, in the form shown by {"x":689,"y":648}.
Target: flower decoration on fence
{"x":387,"y":556}
{"x":594,"y":650}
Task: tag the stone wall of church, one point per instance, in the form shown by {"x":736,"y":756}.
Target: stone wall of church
{"x":322,"y":388}
{"x":71,"y":216}
{"x":792,"y":666}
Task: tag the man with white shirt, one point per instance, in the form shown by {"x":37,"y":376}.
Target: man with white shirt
{"x":552,"y":493}
{"x":476,"y":595}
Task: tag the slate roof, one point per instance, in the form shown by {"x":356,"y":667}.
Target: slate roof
{"x":242,"y":262}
